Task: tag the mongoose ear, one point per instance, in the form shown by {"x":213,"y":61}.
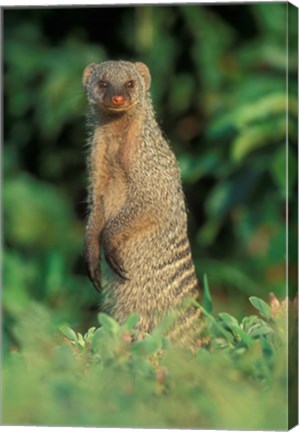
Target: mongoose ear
{"x":145,"y":73}
{"x":87,"y":72}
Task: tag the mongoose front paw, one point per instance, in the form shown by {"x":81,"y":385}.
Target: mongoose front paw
{"x":116,"y":263}
{"x":94,"y":275}
{"x":93,"y":267}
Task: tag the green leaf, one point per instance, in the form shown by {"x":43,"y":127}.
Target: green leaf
{"x":256,"y":136}
{"x":108,"y":323}
{"x":260,"y":329}
{"x":148,"y":346}
{"x":89,"y":334}
{"x":207,"y":299}
{"x":268,"y":105}
{"x":68,"y":332}
{"x":97,"y":340}
{"x":81,"y":341}
{"x":248,"y":322}
{"x":132,"y":321}
{"x":215,"y":323}
{"x":242,"y":336}
{"x":271,"y":18}
{"x":220,"y":343}
{"x":229,"y":320}
{"x":103,"y":345}
{"x":263,"y":308}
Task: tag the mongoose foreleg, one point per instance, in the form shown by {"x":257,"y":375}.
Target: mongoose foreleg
{"x":130,"y":222}
{"x":92,"y":248}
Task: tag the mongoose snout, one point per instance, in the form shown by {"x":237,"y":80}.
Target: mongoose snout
{"x":118,"y":100}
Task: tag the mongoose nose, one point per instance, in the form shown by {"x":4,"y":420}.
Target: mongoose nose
{"x":118,"y":100}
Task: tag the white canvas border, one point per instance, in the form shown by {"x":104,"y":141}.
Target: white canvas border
{"x":55,"y":3}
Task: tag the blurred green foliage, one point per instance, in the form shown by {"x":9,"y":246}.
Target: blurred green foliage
{"x":219,"y":88}
{"x":102,"y":378}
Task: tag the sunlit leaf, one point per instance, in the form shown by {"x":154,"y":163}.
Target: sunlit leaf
{"x":263,"y":308}
{"x":108,"y":323}
{"x":132,"y":321}
{"x":68,"y":332}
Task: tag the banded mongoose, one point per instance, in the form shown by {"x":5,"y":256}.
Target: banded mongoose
{"x":137,"y":220}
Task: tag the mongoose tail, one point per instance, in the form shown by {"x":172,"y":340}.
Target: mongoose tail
{"x":137,"y":215}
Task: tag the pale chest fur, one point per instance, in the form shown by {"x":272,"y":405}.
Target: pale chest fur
{"x":108,"y":177}
{"x":113,"y":157}
{"x":115,"y":192}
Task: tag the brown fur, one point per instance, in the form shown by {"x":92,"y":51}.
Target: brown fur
{"x":137,"y":216}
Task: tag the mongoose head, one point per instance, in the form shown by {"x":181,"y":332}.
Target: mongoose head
{"x":116,"y":86}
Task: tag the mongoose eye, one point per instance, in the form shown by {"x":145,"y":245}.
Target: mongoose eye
{"x":130,"y":84}
{"x":102,"y":84}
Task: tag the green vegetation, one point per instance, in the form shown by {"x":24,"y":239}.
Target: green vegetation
{"x":105,"y":379}
{"x":219,"y":89}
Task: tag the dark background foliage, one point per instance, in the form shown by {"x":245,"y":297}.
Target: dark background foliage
{"x":219,"y":90}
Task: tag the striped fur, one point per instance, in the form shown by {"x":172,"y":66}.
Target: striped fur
{"x":137,"y":217}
